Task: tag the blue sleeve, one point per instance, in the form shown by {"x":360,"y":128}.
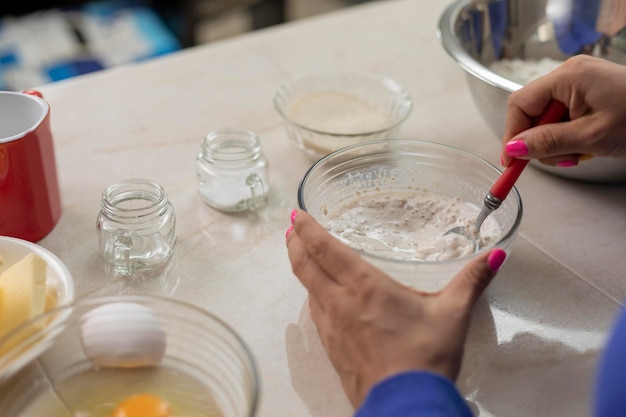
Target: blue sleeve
{"x":610,"y":395}
{"x":575,"y":27}
{"x":415,"y":393}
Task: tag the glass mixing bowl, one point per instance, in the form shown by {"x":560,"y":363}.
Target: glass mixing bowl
{"x":102,"y":351}
{"x":401,"y":166}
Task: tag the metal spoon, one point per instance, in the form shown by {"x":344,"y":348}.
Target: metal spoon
{"x":554,"y":113}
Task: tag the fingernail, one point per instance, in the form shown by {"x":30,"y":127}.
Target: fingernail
{"x":289,"y":230}
{"x":496,"y":259}
{"x":516,"y":148}
{"x":566,"y":164}
{"x":294,"y":213}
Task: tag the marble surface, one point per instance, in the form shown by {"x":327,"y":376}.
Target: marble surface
{"x":537,"y":332}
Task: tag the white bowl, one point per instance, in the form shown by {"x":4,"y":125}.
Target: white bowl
{"x":58,"y":278}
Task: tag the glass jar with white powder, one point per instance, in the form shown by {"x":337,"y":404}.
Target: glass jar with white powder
{"x":232,"y":171}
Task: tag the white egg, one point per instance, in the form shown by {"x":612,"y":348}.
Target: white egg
{"x":123,"y":335}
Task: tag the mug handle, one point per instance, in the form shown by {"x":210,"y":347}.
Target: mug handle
{"x":33,"y":93}
{"x":121,"y":251}
{"x":257,"y":192}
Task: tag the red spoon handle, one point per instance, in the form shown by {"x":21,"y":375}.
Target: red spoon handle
{"x":554,"y":113}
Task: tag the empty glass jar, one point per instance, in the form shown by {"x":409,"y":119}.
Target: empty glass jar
{"x":136,"y":226}
{"x":232,"y":171}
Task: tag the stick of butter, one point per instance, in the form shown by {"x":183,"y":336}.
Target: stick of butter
{"x":22,"y":292}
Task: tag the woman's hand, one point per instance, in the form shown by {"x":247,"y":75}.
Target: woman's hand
{"x":594,"y":91}
{"x":373,"y":327}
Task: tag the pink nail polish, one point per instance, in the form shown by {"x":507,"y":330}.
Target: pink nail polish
{"x":289,"y":230}
{"x":294,"y":214}
{"x":567,"y":164}
{"x":496,"y":259}
{"x":516,"y":148}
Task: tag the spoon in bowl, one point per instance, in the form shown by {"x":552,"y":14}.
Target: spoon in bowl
{"x":554,"y":113}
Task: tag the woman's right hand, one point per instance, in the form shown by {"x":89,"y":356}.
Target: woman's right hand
{"x":594,"y":91}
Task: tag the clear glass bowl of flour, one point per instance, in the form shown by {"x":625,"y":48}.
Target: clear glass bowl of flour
{"x":324,"y":112}
{"x":392,"y":201}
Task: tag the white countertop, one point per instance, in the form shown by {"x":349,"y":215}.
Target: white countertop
{"x":537,"y":333}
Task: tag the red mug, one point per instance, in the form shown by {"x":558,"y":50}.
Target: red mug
{"x":30,"y":201}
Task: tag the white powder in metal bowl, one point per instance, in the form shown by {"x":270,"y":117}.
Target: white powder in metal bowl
{"x":524,"y":71}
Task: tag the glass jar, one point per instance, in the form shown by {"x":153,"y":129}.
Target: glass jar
{"x":232,"y":171}
{"x":136,"y":226}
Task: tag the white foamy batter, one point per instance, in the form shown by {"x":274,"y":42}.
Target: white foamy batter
{"x":409,"y":225}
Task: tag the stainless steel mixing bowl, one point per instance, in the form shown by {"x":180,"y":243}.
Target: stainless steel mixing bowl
{"x":478,"y":32}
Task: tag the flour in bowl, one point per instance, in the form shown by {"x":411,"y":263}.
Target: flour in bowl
{"x":338,"y":113}
{"x":409,"y":225}
{"x":523,"y":71}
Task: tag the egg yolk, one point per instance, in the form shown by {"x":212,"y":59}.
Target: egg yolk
{"x":142,"y":405}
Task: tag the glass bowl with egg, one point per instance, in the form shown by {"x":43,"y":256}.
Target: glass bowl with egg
{"x":504,"y":44}
{"x":135,"y":356}
{"x":33,"y":281}
{"x":393,"y":200}
{"x":327,"y":111}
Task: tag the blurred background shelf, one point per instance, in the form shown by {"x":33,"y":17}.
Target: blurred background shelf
{"x":43,"y":41}
{"x":219,"y":19}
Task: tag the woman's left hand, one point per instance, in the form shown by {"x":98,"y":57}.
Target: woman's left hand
{"x":371,"y":326}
